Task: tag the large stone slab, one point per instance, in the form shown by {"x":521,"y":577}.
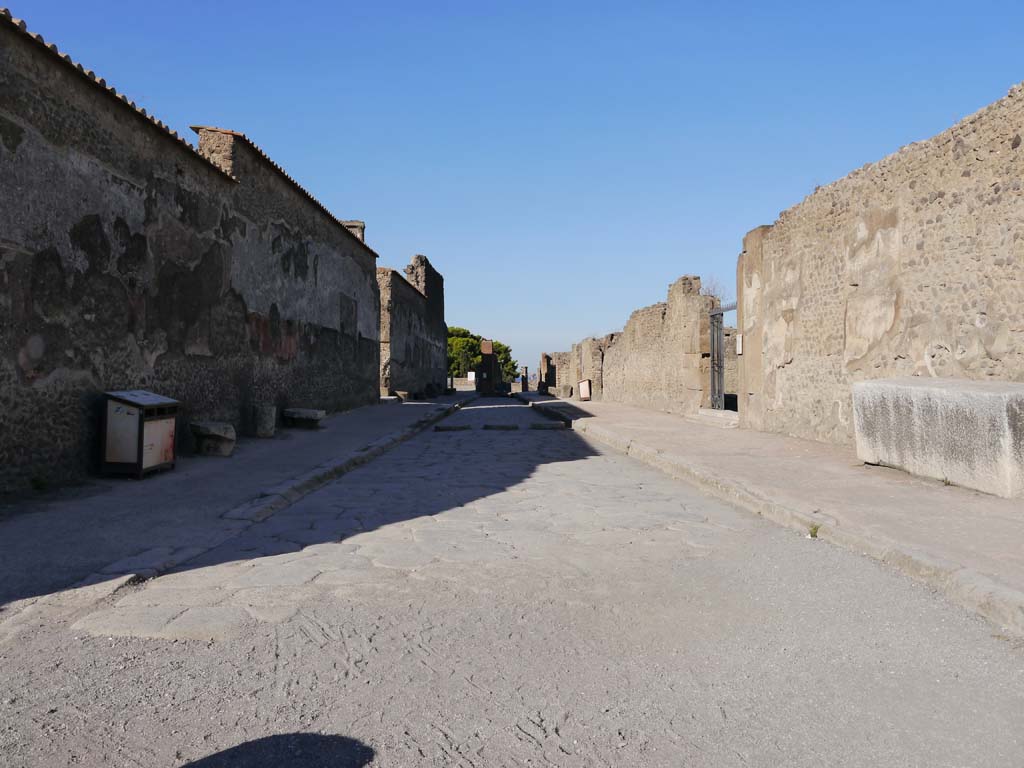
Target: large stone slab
{"x":968,"y":433}
{"x":309,"y":418}
{"x":213,"y":438}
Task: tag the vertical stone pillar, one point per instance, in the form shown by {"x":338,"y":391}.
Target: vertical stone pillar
{"x":750,"y":327}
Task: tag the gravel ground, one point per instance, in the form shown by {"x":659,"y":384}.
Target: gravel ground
{"x":512,"y":597}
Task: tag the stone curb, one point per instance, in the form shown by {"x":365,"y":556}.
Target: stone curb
{"x":545,"y":409}
{"x":996,"y":602}
{"x":157,"y":561}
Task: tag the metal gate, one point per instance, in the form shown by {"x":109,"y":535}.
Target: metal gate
{"x":718,"y":356}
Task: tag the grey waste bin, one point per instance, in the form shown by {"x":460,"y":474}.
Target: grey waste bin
{"x":137,"y":434}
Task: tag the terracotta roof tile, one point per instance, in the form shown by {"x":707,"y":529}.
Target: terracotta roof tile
{"x":99,"y":82}
{"x":298,"y":187}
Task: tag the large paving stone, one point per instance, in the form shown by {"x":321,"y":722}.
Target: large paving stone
{"x":129,"y":621}
{"x":208,"y":623}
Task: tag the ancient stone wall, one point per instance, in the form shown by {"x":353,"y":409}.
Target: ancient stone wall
{"x":588,"y":362}
{"x":128,"y":259}
{"x":413,"y":334}
{"x":562,"y":373}
{"x":732,"y":368}
{"x":660,"y":360}
{"x":546,"y":374}
{"x":911,"y":266}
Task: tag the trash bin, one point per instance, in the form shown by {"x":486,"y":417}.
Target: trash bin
{"x":137,"y":435}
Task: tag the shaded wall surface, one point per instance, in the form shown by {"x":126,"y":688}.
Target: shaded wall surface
{"x":413,"y":334}
{"x":128,"y":259}
{"x":660,"y":359}
{"x":912,"y":266}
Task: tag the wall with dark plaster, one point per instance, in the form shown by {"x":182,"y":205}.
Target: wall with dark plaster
{"x":413,"y":334}
{"x":127,"y":260}
{"x":911,"y":266}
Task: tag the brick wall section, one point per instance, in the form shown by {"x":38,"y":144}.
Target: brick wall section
{"x":660,"y":360}
{"x":911,"y":266}
{"x":413,"y":334}
{"x":127,"y":260}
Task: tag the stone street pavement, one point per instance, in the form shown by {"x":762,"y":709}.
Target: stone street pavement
{"x":499,"y":597}
{"x":115,"y":525}
{"x":966,"y":544}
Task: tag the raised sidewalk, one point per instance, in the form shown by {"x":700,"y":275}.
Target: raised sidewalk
{"x":112,"y":530}
{"x":965,"y":544}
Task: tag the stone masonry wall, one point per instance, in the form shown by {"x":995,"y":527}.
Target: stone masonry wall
{"x":660,"y":360}
{"x":911,"y":266}
{"x":732,"y":372}
{"x":128,"y":259}
{"x":413,"y":334}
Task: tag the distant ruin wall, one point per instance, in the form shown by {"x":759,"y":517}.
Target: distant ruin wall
{"x":660,"y":360}
{"x":911,"y":266}
{"x":566,"y":373}
{"x":732,"y":368}
{"x":413,"y":334}
{"x":127,"y":260}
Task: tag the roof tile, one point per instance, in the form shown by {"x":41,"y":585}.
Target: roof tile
{"x":19,"y":24}
{"x":88,"y":74}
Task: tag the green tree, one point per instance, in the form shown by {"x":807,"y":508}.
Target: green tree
{"x":464,"y":354}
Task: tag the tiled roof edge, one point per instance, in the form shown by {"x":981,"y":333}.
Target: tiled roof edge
{"x":282,"y":172}
{"x":98,"y":82}
{"x":20,"y":26}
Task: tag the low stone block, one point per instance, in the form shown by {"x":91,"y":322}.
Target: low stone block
{"x":968,"y":433}
{"x":265,"y":420}
{"x":213,"y":438}
{"x":309,"y":418}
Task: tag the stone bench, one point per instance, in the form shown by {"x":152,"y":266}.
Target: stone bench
{"x":309,"y":418}
{"x":213,"y":438}
{"x":964,"y":432}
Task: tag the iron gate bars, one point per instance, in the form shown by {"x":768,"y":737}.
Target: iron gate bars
{"x":718,"y":356}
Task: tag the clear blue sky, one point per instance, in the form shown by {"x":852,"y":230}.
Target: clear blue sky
{"x":560,"y":162}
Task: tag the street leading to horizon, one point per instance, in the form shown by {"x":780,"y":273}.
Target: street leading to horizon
{"x":500,"y":593}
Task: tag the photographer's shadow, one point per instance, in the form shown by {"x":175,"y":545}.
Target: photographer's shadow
{"x":291,"y":750}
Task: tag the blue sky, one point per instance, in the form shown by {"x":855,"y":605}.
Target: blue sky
{"x":561,"y":163}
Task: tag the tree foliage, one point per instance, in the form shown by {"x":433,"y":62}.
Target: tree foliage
{"x":464,"y":354}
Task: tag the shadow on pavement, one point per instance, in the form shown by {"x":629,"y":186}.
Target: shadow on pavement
{"x":43,"y":554}
{"x":564,"y":410}
{"x":291,"y":750}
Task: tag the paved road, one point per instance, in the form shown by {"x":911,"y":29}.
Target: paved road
{"x":55,"y":540}
{"x":514,"y":597}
